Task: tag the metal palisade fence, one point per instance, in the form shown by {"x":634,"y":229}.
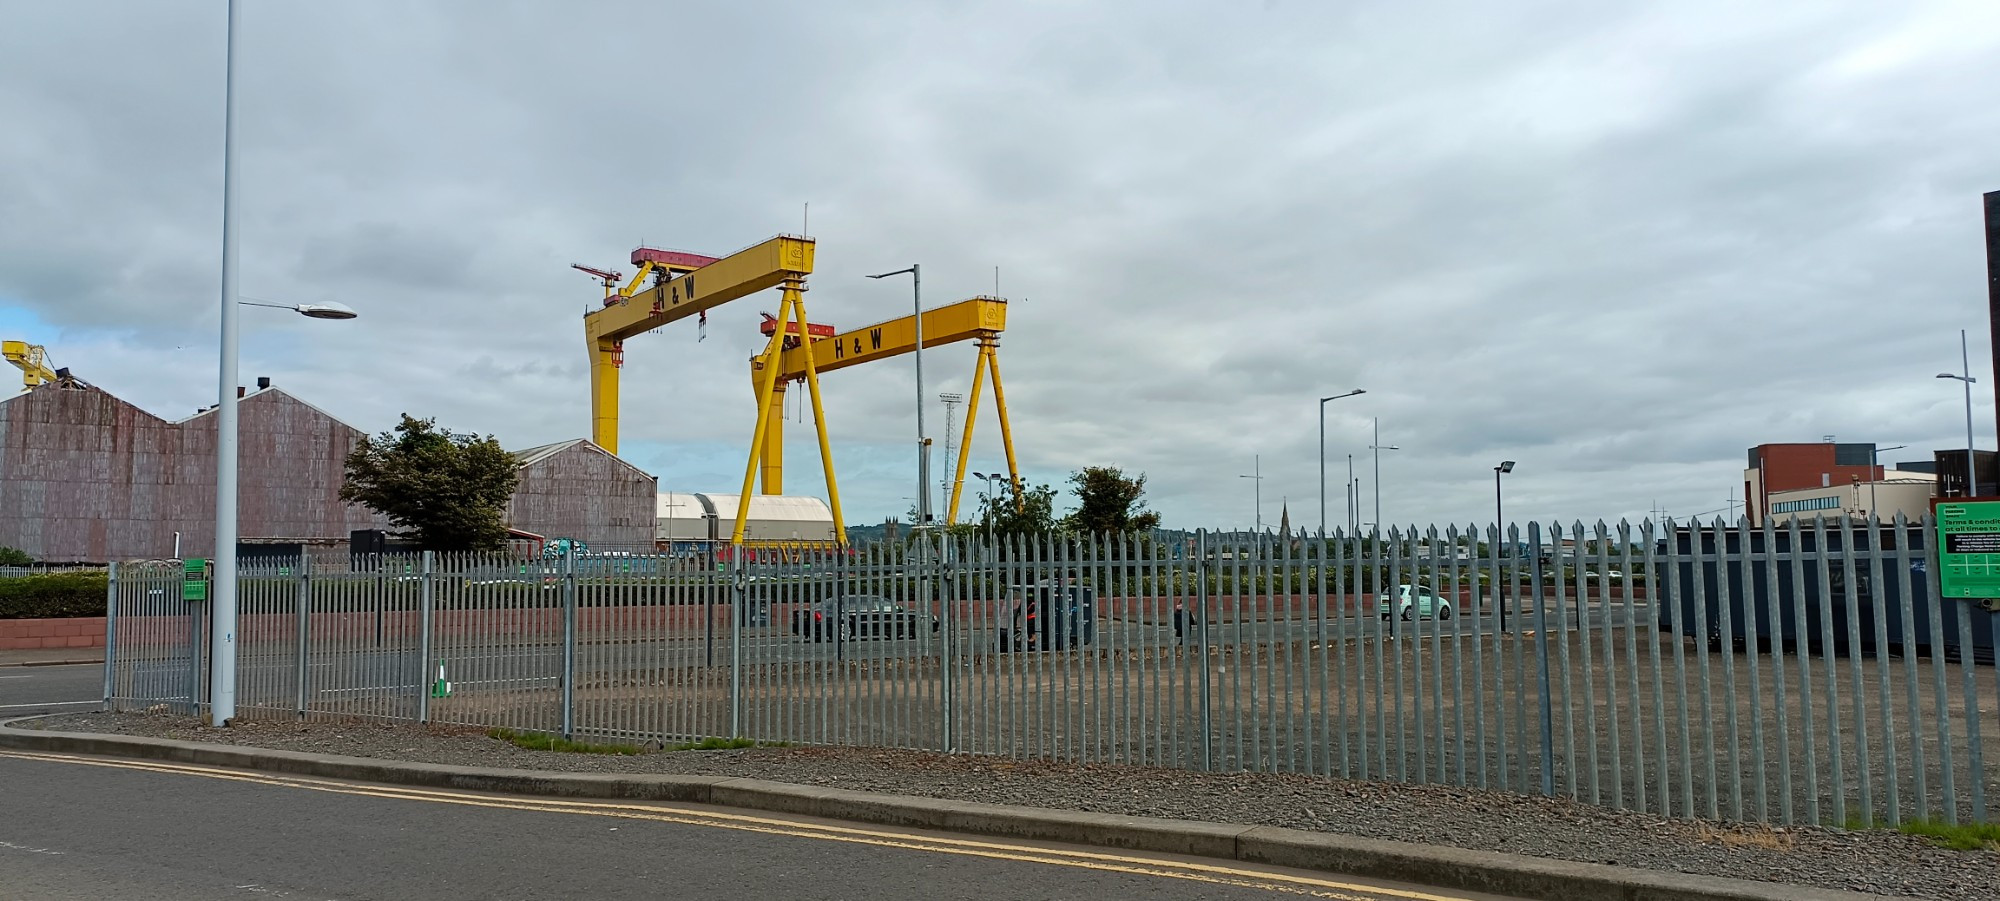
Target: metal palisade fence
{"x":1795,"y":674}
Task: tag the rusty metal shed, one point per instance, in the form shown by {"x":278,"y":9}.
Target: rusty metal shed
{"x":575,"y":489}
{"x":86,"y":477}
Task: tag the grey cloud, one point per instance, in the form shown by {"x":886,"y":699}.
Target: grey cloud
{"x":1617,"y":243}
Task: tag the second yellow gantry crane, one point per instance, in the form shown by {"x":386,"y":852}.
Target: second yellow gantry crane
{"x":980,"y":319}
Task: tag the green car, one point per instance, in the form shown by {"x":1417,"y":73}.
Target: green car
{"x":1411,"y":601}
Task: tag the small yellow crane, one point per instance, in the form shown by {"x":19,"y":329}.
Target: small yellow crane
{"x":31,"y":359}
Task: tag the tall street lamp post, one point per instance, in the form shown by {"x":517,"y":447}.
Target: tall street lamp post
{"x":1499,"y":529}
{"x":915,"y":272}
{"x":1965,"y":358}
{"x":1257,"y":477}
{"x":1378,"y":447}
{"x":222,"y":610}
{"x":1875,"y":476}
{"x":986,"y":498}
{"x":1322,"y":454}
{"x":1353,"y":500}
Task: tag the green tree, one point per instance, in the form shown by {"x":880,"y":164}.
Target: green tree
{"x":12,"y":556}
{"x":1109,"y":501}
{"x":448,"y":491}
{"x":1032,"y":513}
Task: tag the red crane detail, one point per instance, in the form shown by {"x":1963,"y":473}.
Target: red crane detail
{"x":817,"y":330}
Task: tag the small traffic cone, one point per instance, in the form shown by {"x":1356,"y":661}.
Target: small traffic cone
{"x":440,"y":688}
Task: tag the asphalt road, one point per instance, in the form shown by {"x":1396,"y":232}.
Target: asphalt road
{"x":26,"y":690}
{"x":92,"y":828}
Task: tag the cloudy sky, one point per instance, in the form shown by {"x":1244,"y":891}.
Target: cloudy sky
{"x":1619,"y":243}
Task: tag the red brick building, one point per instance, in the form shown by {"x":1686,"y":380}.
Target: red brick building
{"x":1791,"y":467}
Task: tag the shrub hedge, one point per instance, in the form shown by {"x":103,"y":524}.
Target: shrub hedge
{"x":53,"y":595}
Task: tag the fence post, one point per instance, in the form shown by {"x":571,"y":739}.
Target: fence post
{"x":1201,"y":641}
{"x":945,"y":653}
{"x":424,"y":601}
{"x":569,"y":642}
{"x":110,"y":633}
{"x":738,"y":594}
{"x":1542,"y":651}
{"x":300,"y":644}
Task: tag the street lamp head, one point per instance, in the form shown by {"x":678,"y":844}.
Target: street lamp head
{"x":1339,"y":396}
{"x":1957,"y":378}
{"x":907,"y":271}
{"x":1505,"y":466}
{"x":326,"y":311}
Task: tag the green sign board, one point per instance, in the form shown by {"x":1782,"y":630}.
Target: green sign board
{"x":1968,"y":540}
{"x":194,"y":579}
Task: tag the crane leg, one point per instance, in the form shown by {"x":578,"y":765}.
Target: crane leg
{"x":604,"y":394}
{"x":772,"y":461}
{"x":819,"y":425}
{"x":765,"y":410}
{"x":992,"y":354}
{"x":965,"y":444}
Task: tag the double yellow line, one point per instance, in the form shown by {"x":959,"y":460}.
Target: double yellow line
{"x":1088,"y":860}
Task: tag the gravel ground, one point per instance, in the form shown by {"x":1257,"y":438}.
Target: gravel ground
{"x":1872,"y":861}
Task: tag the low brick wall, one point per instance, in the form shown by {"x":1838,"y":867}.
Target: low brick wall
{"x":76,"y":632}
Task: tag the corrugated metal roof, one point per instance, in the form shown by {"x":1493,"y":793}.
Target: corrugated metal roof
{"x":542,"y":453}
{"x":535,"y":455}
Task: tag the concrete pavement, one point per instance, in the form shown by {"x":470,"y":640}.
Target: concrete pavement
{"x":50,"y":656}
{"x":95,"y":828}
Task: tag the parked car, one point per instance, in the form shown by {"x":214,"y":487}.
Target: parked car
{"x":860,"y":616}
{"x":1048,"y":616}
{"x":1412,"y":601}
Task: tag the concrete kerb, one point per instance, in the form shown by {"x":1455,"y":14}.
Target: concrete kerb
{"x":1452,"y":868}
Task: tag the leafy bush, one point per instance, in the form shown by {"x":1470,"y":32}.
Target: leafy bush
{"x":13,"y":556}
{"x":52,"y":595}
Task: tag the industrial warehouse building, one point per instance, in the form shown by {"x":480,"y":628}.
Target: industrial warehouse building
{"x":87,"y":477}
{"x":575,"y":489}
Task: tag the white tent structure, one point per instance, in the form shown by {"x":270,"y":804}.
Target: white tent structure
{"x":712,"y":517}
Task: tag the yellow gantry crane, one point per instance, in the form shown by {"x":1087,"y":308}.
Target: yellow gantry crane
{"x":687,"y":284}
{"x":31,"y":359}
{"x":980,"y":319}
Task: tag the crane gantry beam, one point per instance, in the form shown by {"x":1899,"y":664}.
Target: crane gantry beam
{"x":684,"y":285}
{"x":981,"y":319}
{"x":31,"y":359}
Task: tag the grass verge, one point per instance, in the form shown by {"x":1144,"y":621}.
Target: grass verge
{"x":1962,"y":837}
{"x":536,"y":741}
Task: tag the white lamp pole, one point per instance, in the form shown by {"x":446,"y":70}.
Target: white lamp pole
{"x":222,"y":604}
{"x":1322,"y":454}
{"x":1875,"y":476}
{"x":222,"y":609}
{"x":1378,"y":447}
{"x":1971,"y":474}
{"x":915,"y":272}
